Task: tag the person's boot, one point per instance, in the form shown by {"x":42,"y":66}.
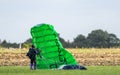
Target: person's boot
{"x":31,"y":65}
{"x":35,"y":66}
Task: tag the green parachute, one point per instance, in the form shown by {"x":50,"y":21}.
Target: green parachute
{"x":51,"y":52}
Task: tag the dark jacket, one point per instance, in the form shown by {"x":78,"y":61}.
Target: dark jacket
{"x":31,"y":53}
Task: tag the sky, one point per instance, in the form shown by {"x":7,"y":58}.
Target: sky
{"x":69,"y":17}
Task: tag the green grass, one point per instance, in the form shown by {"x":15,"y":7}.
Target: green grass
{"x":92,"y":70}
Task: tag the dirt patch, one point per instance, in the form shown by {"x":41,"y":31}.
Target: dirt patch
{"x":85,"y":57}
{"x":10,"y":59}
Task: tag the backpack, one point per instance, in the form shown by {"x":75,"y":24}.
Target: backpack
{"x":31,"y":54}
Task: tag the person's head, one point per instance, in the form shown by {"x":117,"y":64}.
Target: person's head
{"x":33,"y":46}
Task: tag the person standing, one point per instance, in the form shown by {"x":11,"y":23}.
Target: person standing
{"x":32,"y":56}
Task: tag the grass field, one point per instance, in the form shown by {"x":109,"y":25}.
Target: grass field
{"x":92,"y":70}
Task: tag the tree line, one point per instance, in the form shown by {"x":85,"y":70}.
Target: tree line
{"x":95,"y":39}
{"x":5,"y":44}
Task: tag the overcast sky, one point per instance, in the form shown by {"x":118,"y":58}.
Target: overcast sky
{"x":69,"y":17}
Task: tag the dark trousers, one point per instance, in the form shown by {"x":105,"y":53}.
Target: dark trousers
{"x":33,"y":63}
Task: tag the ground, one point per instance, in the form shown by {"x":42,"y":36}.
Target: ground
{"x":87,"y":57}
{"x":92,"y":70}
{"x":97,"y":61}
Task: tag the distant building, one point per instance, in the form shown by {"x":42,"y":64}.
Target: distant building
{"x":20,"y":45}
{"x":0,"y":41}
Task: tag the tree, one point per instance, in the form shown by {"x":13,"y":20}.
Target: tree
{"x":14,"y":45}
{"x":98,"y":38}
{"x":80,"y":41}
{"x":28,"y":41}
{"x":64,"y":43}
{"x":6,"y":44}
{"x":113,"y":40}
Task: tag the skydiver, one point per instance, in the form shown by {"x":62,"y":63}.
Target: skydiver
{"x":32,"y":56}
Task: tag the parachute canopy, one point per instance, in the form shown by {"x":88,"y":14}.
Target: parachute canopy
{"x":51,"y":52}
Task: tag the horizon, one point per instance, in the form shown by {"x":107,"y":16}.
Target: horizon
{"x":60,"y":36}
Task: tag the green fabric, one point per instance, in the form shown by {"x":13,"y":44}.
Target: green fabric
{"x":45,"y":38}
